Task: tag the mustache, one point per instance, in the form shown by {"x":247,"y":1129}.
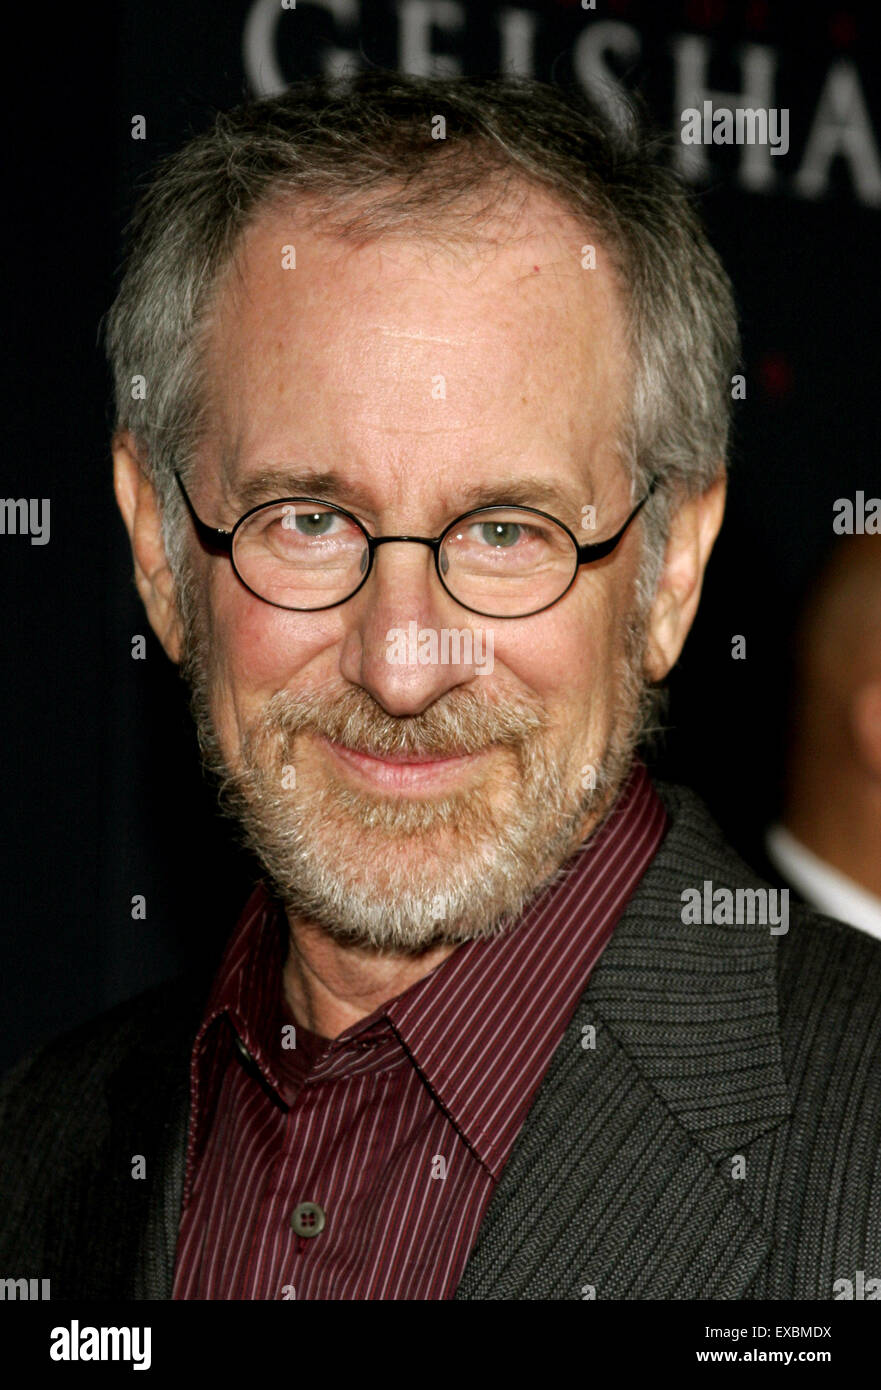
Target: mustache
{"x":458,"y":723}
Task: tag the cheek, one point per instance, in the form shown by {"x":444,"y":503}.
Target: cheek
{"x":257,"y":649}
{"x":566,"y":654}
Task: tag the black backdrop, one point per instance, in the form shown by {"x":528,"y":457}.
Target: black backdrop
{"x":102,"y":797}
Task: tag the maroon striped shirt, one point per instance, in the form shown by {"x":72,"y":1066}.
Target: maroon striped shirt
{"x":399,"y":1128}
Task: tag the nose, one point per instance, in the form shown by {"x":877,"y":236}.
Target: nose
{"x":408,"y":642}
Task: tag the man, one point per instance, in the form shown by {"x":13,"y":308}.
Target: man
{"x":421,"y":486}
{"x":828,"y":843}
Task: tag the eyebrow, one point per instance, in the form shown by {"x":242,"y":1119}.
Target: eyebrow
{"x":525,"y":490}
{"x":278,"y":483}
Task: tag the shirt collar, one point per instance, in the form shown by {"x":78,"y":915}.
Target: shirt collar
{"x":822,"y":885}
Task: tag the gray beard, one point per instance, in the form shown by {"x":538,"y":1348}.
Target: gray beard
{"x":396,"y":874}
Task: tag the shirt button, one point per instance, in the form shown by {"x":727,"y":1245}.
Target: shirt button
{"x":308,"y":1219}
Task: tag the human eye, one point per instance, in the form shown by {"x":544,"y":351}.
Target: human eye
{"x":497,"y":532}
{"x":313,"y":522}
{"x":502,"y":531}
{"x":504,"y":542}
{"x":303,"y":530}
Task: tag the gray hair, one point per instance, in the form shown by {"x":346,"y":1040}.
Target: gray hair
{"x":361,"y":151}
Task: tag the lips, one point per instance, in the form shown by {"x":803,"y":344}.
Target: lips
{"x":403,"y":772}
{"x":404,"y":759}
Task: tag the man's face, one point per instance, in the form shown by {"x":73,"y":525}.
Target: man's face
{"x":402,"y":804}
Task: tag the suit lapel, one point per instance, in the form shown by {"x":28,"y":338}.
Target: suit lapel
{"x":608,"y":1195}
{"x":620,"y":1184}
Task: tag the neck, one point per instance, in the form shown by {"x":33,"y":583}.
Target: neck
{"x":330,"y":986}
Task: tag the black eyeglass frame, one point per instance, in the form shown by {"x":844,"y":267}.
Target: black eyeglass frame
{"x":220,"y":540}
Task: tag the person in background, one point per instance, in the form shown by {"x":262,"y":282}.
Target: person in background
{"x":827,"y":843}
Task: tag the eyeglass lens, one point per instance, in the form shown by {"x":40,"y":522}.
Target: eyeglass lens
{"x":502,"y":561}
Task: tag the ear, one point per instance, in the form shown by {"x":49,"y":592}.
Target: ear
{"x":693,"y":531}
{"x":139,"y":506}
{"x":866,"y":725}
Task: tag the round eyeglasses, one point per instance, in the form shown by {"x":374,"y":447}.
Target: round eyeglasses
{"x":304,"y":554}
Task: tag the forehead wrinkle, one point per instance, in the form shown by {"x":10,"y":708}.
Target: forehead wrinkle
{"x":419,"y":336}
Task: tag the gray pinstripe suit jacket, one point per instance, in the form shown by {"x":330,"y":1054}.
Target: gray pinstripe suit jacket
{"x":712,"y":1042}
